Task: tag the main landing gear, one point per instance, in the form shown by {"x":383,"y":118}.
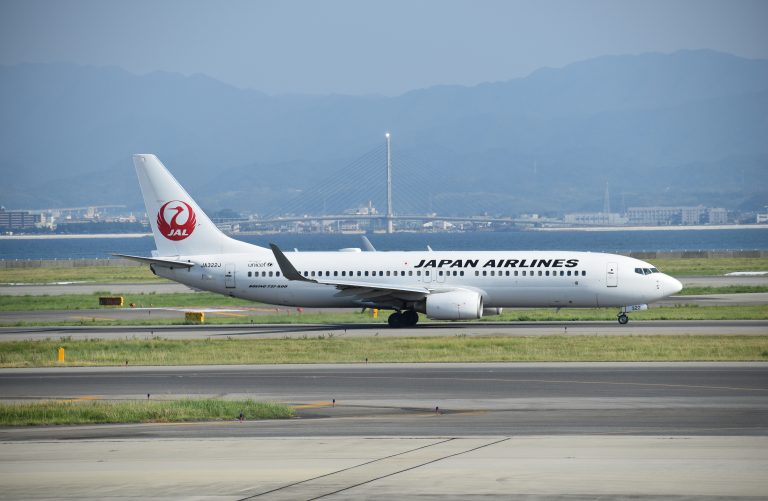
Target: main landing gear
{"x":405,"y":318}
{"x":623,"y":318}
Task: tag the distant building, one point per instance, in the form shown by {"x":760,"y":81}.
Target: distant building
{"x":16,"y":220}
{"x":664,"y":216}
{"x":595,"y":219}
{"x":718,"y":215}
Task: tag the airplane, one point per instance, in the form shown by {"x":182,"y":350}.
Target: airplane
{"x":443,"y":285}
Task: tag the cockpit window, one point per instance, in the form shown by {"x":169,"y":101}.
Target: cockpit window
{"x":654,"y":270}
{"x":645,"y":271}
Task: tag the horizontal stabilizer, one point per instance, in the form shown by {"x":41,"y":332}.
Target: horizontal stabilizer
{"x":155,"y":260}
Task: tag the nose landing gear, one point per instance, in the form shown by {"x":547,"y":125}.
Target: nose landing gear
{"x":622,"y":316}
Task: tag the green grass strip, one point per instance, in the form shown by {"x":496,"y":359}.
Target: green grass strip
{"x":151,"y":300}
{"x":678,"y":267}
{"x":728,"y":289}
{"x":334,"y":349}
{"x":172,"y":411}
{"x":97,"y":274}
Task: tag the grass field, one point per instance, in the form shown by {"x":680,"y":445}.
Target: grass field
{"x":728,"y":289}
{"x":93,"y":274}
{"x":90,"y":301}
{"x":334,"y":349}
{"x":680,"y":267}
{"x":96,"y":411}
{"x":139,"y":274}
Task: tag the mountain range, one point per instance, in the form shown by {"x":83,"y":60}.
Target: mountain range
{"x":685,"y":128}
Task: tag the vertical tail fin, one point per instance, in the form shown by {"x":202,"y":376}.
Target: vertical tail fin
{"x":179,"y":226}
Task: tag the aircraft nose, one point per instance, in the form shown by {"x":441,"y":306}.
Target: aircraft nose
{"x":672,"y":286}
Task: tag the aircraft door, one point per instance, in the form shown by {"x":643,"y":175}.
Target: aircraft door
{"x":229,"y":275}
{"x":612,"y":275}
{"x":439,"y":275}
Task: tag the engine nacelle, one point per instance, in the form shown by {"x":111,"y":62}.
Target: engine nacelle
{"x":489,"y":312}
{"x":455,"y":305}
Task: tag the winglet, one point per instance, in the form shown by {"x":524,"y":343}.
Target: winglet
{"x":286,"y":267}
{"x":367,"y":245}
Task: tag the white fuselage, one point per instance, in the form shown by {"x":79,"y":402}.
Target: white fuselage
{"x":503,"y":279}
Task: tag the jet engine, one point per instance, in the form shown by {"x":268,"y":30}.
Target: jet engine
{"x":455,"y":305}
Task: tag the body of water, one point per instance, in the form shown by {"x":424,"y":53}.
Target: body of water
{"x":609,"y":241}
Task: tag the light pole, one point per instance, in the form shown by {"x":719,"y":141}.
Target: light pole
{"x":390,"y":228}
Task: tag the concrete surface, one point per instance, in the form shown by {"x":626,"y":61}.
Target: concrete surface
{"x":341,"y":468}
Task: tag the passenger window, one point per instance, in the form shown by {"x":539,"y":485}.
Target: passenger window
{"x":562,"y":273}
{"x":263,"y":273}
{"x":277,"y":273}
{"x":306,"y":274}
{"x":583,"y":273}
{"x":461,"y":273}
{"x":249,"y":273}
{"x":387,"y":272}
{"x":418,"y":273}
{"x":477,"y":273}
{"x":410,"y":273}
{"x":426,"y":273}
{"x":366,"y":273}
{"x":270,"y":273}
{"x":539,"y":272}
{"x":440,"y":273}
{"x":515,"y":272}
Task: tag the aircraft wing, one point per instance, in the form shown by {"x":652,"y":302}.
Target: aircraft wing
{"x":156,"y":260}
{"x":365,"y":291}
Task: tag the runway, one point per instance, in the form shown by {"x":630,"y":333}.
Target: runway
{"x":538,"y":431}
{"x":279,"y":331}
{"x":400,"y":399}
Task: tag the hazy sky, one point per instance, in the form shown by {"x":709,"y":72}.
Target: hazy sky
{"x":367,"y":47}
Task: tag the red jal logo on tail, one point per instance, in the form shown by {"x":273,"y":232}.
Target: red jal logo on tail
{"x":181,"y":223}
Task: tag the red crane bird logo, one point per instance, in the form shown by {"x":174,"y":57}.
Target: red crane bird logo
{"x":173,"y":229}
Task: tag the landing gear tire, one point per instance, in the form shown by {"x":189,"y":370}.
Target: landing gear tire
{"x":395,"y":320}
{"x":623,"y":319}
{"x":410,"y":318}
{"x":406,"y":318}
